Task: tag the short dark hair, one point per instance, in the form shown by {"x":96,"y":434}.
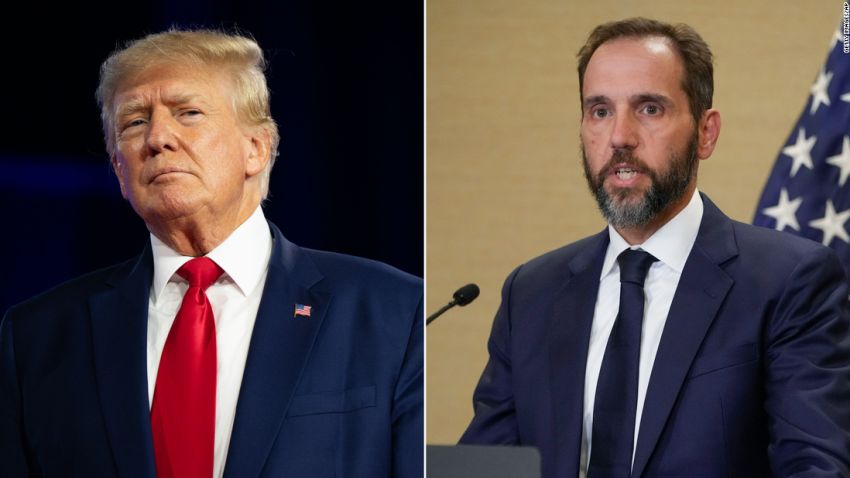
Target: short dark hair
{"x":698,"y":81}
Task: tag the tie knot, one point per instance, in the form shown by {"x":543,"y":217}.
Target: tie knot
{"x":634,"y":265}
{"x":200,"y":272}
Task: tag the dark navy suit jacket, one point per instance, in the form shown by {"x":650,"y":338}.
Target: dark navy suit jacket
{"x":752,"y":375}
{"x":338,"y":394}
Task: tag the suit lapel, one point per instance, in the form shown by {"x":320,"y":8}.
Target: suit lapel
{"x":569,"y":332}
{"x":699,"y":295}
{"x":119,"y":335}
{"x":280,"y":346}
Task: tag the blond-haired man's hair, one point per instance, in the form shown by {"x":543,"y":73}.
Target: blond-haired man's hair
{"x":239,"y":55}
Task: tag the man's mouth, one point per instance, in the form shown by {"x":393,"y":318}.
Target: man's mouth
{"x":166,"y":172}
{"x":625,"y":173}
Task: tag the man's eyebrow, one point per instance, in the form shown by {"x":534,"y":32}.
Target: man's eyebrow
{"x":651,"y":98}
{"x":181,"y":98}
{"x":131,"y":106}
{"x":593,"y":100}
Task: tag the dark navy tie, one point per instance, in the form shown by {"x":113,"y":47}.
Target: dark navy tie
{"x":617,"y":388}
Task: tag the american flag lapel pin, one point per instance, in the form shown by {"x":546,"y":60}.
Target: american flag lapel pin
{"x":302,"y":310}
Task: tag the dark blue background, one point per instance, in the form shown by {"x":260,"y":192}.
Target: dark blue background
{"x":347,"y":93}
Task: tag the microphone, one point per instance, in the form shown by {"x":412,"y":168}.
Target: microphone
{"x":461,"y":297}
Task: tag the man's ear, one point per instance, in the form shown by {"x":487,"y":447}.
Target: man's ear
{"x":116,"y":168}
{"x":709,"y":131}
{"x":259,"y":148}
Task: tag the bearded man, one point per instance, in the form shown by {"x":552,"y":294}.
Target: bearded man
{"x":677,"y":342}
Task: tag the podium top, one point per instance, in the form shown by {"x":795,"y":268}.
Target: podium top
{"x":473,"y":461}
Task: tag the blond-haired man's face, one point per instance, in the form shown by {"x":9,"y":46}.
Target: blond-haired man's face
{"x":180,"y":147}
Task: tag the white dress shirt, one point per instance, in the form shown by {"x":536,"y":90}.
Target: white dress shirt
{"x":235,"y":298}
{"x":671,"y":245}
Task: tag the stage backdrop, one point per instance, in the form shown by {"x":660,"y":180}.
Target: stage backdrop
{"x":504,"y":180}
{"x":347,"y":93}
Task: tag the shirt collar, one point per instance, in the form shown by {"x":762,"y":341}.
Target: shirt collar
{"x":244,"y":256}
{"x":671,"y":244}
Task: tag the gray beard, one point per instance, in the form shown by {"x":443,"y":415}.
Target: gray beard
{"x":666,"y":188}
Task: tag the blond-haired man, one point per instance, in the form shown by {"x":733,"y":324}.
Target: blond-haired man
{"x":223,"y":349}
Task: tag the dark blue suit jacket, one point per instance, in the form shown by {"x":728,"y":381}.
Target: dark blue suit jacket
{"x":752,"y":375}
{"x":338,"y":394}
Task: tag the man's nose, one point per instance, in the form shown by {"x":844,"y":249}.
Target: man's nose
{"x":624,"y":134}
{"x":162,"y":134}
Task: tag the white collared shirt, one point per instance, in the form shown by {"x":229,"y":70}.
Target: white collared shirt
{"x":671,"y":245}
{"x":235,"y":298}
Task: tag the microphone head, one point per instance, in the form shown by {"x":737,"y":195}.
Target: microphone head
{"x":466,"y":294}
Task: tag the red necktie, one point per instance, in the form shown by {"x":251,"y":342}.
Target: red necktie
{"x":183,"y":411}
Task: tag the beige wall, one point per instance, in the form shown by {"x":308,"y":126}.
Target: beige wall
{"x":504,"y":180}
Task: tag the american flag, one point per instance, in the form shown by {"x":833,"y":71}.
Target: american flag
{"x":302,"y":310}
{"x":808,"y":193}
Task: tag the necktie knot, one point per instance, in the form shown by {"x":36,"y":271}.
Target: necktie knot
{"x":634,"y":265}
{"x":200,"y":272}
